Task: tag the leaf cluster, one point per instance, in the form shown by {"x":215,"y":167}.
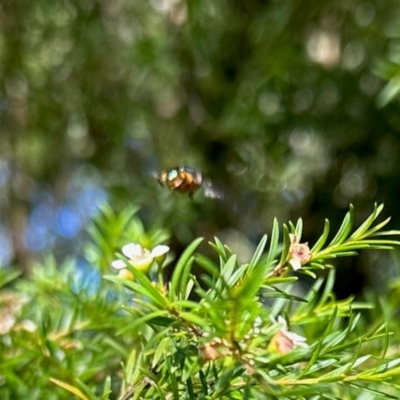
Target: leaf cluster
{"x":231,"y":331}
{"x":212,"y":335}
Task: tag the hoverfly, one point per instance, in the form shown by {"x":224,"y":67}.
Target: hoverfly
{"x":185,"y":179}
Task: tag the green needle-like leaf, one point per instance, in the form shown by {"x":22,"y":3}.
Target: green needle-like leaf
{"x":259,"y":251}
{"x":176,"y":291}
{"x":286,"y":245}
{"x":140,"y":321}
{"x":344,"y":229}
{"x":318,"y":348}
{"x":359,"y":233}
{"x":321,"y":241}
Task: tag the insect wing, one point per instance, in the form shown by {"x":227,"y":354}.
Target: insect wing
{"x":211,"y":191}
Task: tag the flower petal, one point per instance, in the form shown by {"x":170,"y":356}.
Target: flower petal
{"x":118,"y":264}
{"x":282,"y":321}
{"x":295,"y":338}
{"x":295,"y":263}
{"x":159,"y":250}
{"x":285,"y":341}
{"x":132,"y":250}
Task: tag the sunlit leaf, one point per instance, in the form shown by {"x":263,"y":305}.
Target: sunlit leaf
{"x":179,"y":275}
{"x":72,"y":389}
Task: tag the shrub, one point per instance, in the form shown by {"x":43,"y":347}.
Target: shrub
{"x":226,"y":331}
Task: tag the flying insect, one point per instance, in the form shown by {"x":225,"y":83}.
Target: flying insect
{"x":185,"y":179}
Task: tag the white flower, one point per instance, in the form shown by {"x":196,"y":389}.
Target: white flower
{"x":284,"y":341}
{"x":140,"y":258}
{"x":299,"y":253}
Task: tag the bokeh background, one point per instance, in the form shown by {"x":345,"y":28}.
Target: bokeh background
{"x":289,"y":107}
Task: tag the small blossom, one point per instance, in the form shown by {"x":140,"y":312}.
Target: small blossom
{"x":210,"y":352}
{"x":215,"y":349}
{"x":123,"y":271}
{"x":140,"y":258}
{"x":7,"y":321}
{"x":10,"y":304}
{"x":126,"y":274}
{"x":299,"y":253}
{"x":285,"y":341}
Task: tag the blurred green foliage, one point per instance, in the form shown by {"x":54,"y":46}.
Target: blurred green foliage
{"x":215,"y":330}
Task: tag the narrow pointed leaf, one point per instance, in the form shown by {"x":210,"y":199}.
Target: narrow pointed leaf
{"x":87,"y":389}
{"x":220,"y":248}
{"x":185,"y":278}
{"x":377,"y":227}
{"x":344,"y":229}
{"x":286,"y":245}
{"x":259,"y":251}
{"x":107,"y":389}
{"x":135,"y":360}
{"x":327,"y":289}
{"x":299,"y":228}
{"x":140,"y":321}
{"x":322,"y":240}
{"x":183,"y":263}
{"x":160,"y":351}
{"x":144,"y":288}
{"x":72,"y":389}
{"x":193,"y":318}
{"x":154,"y":382}
{"x":208,"y":265}
{"x":363,"y":389}
{"x":273,"y":247}
{"x":318,"y":349}
{"x":228,"y":268}
{"x":367,"y":223}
